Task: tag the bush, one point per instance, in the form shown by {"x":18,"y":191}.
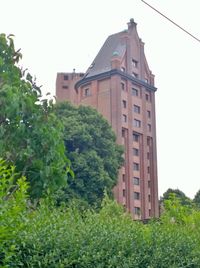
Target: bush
{"x":51,"y":236}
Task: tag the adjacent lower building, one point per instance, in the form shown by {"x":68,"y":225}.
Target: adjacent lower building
{"x":120,"y":85}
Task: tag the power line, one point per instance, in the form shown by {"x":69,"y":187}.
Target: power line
{"x":171,"y":21}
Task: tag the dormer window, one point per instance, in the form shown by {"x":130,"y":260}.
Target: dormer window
{"x":134,"y":63}
{"x":134,"y":75}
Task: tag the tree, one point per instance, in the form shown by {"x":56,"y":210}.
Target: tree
{"x":196,"y":199}
{"x":30,"y":134}
{"x":91,"y":147}
{"x":184,"y":200}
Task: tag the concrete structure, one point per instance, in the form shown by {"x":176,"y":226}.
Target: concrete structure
{"x":120,"y":85}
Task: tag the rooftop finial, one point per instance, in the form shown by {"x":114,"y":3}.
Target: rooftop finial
{"x":131,"y":24}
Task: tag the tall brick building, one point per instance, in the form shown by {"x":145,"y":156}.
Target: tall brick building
{"x":120,"y":85}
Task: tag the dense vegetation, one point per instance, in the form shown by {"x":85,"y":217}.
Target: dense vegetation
{"x":49,"y":236}
{"x":31,"y":137}
{"x":92,"y":150}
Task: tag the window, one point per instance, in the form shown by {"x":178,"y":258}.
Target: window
{"x":124,"y":104}
{"x":123,"y":177}
{"x":149,"y":114}
{"x":123,"y":69}
{"x":136,"y":181}
{"x":135,"y":92}
{"x":136,"y":137}
{"x":66,"y":77}
{"x":149,"y":184}
{"x":124,"y":118}
{"x":136,"y":109}
{"x":136,"y":166}
{"x":124,"y":192}
{"x":135,"y":152}
{"x":122,"y":86}
{"x":149,"y":213}
{"x":134,"y":63}
{"x":123,"y":132}
{"x":134,"y":75}
{"x":136,"y":195}
{"x":148,"y":155}
{"x":65,"y":87}
{"x":147,"y":97}
{"x":149,"y":127}
{"x":136,"y":123}
{"x":148,"y":169}
{"x":149,"y":198}
{"x":136,"y":210}
{"x":148,"y":141}
{"x":87,"y":92}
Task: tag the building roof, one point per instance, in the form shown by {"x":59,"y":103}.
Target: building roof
{"x":102,"y":62}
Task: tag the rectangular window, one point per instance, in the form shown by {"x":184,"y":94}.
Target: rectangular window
{"x":148,"y":155}
{"x":87,"y":92}
{"x":135,"y":92}
{"x":149,"y":198}
{"x":123,"y":177}
{"x":123,"y":132}
{"x":149,"y":184}
{"x":136,"y":195}
{"x":136,"y":123}
{"x":136,"y":137}
{"x":136,"y":181}
{"x":148,"y":114}
{"x":124,"y":104}
{"x":149,"y":127}
{"x":134,"y":63}
{"x":124,"y":192}
{"x":136,"y":109}
{"x":148,"y":169}
{"x":136,"y":166}
{"x":65,"y":87}
{"x":135,"y":151}
{"x":124,"y":118}
{"x":134,"y":75}
{"x":136,"y":210}
{"x":147,"y":97}
{"x":122,"y":86}
{"x":148,"y":141}
{"x":66,"y":77}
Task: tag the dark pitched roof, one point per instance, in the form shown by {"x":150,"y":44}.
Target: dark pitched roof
{"x":102,"y":62}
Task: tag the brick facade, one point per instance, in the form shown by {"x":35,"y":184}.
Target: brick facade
{"x":120,"y":85}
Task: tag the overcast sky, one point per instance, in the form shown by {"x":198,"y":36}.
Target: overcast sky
{"x":59,"y":35}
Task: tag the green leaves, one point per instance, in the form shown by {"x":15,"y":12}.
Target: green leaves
{"x":31,"y":135}
{"x":91,"y":147}
{"x":50,"y":236}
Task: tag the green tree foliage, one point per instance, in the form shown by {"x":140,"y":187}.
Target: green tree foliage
{"x":30,"y":134}
{"x":196,"y":199}
{"x":184,"y":200}
{"x":13,"y":195}
{"x":91,"y":147}
{"x":51,"y":236}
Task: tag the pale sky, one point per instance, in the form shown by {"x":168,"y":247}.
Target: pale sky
{"x":59,"y":35}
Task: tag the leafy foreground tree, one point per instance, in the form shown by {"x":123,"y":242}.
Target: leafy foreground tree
{"x":91,"y":147}
{"x":30,"y":134}
{"x":54,"y":237}
{"x":196,"y":199}
{"x":184,"y":200}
